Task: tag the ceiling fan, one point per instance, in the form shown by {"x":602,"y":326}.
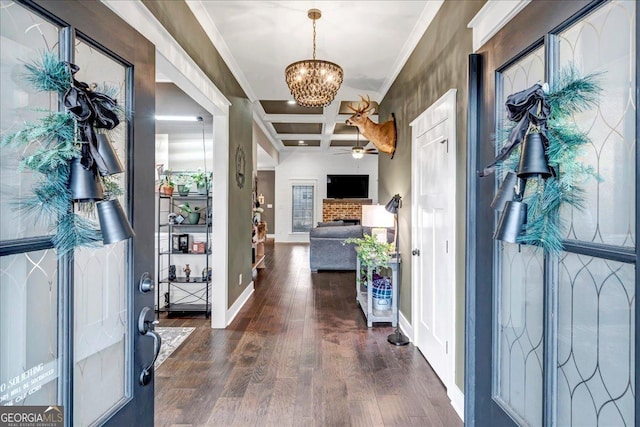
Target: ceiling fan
{"x":358,"y":152}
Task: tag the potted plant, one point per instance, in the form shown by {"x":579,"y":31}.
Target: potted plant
{"x":167,"y":185}
{"x":193,"y":213}
{"x":201,"y":180}
{"x":184,"y":182}
{"x":372,"y":253}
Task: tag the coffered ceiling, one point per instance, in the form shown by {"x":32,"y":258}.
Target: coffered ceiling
{"x":370,"y":40}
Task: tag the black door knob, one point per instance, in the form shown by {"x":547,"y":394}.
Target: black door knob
{"x":415,"y":252}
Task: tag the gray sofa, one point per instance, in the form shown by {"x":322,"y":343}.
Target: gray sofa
{"x":326,"y":251}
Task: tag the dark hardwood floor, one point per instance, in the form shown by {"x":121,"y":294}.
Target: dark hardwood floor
{"x":298,"y":354}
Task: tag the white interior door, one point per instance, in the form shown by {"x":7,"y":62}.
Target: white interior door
{"x":434,"y":213}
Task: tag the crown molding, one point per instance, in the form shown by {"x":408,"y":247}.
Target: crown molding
{"x":494,"y":15}
{"x":202,"y":15}
{"x":426,"y":17}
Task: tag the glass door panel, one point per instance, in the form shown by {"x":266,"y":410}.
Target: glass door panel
{"x":596,"y":336}
{"x":29,"y":363}
{"x":101,"y":339}
{"x":596,"y":302}
{"x":518,"y":327}
{"x":24,"y":36}
{"x":604,"y":43}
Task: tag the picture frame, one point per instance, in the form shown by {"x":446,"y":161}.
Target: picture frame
{"x":180,"y":243}
{"x":183,"y":242}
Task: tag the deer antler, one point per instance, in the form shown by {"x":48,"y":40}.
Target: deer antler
{"x":367,"y":103}
{"x":355,"y":110}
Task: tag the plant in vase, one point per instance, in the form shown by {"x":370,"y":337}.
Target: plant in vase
{"x":166,"y":184}
{"x":184,"y":183}
{"x":193,"y":213}
{"x":372,"y":253}
{"x":201,"y":179}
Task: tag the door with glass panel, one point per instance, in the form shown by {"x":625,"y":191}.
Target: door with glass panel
{"x":555,"y":335}
{"x":69,"y":335}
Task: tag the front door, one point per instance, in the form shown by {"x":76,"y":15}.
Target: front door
{"x":434,"y":275}
{"x":69,"y":322}
{"x":551,"y":337}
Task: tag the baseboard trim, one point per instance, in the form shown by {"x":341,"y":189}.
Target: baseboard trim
{"x":457,"y":400}
{"x":405,"y":326}
{"x":240,"y":302}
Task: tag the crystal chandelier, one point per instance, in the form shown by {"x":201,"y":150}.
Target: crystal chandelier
{"x":314,"y":82}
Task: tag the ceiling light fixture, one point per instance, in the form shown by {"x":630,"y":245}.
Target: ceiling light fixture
{"x":357,"y":152}
{"x":179,"y":118}
{"x":314,"y":82}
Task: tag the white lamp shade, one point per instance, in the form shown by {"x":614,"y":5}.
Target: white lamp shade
{"x":379,"y":219}
{"x":376,"y":216}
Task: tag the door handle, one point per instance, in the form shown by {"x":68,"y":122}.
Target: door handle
{"x":146,"y":283}
{"x":415,"y":252}
{"x":146,"y":323}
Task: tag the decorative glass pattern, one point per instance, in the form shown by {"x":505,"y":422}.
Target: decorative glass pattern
{"x":596,"y":313}
{"x":604,"y":42}
{"x":23,"y":38}
{"x":101,"y":338}
{"x":518,"y":321}
{"x":29,"y":365}
{"x":596,"y":336}
{"x":302,"y":208}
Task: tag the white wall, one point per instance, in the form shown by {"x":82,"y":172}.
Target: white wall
{"x":315,"y":166}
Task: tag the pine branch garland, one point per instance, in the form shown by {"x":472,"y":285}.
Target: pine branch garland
{"x":572,"y":94}
{"x":48,"y":146}
{"x":48,"y":74}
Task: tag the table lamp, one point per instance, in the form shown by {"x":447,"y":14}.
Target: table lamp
{"x":379,"y":219}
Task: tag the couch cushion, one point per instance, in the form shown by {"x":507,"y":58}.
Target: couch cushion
{"x":330,"y":223}
{"x":341,"y":232}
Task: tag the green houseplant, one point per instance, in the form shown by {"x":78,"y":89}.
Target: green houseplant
{"x":201,"y":179}
{"x":184,"y":182}
{"x":372,"y":253}
{"x":193,"y":213}
{"x":167,"y":185}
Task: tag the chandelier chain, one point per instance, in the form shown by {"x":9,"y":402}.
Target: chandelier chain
{"x":314,"y":39}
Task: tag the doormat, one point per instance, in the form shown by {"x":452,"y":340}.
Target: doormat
{"x":171,"y":339}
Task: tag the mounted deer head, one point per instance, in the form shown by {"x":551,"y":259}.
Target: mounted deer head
{"x":383,"y":136}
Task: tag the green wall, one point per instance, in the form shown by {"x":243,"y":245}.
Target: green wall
{"x":178,"y":19}
{"x":438,"y":63}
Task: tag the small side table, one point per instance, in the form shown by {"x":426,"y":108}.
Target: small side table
{"x":364,"y":295}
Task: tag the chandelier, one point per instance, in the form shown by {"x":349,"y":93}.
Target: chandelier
{"x":314,"y":82}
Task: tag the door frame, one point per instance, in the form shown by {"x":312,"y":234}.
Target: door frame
{"x":530,"y":27}
{"x":420,"y":125}
{"x":186,"y":74}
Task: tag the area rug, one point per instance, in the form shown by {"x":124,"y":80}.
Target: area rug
{"x":171,"y":340}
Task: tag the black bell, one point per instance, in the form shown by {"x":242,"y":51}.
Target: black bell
{"x":511,"y":222}
{"x":506,"y":192}
{"x":109,"y":156}
{"x":533,"y":161}
{"x":113,"y":222}
{"x":84,"y":183}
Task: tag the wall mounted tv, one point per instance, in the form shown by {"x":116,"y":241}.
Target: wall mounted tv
{"x":347,"y":186}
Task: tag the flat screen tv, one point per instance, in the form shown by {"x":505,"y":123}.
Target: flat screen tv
{"x":347,"y":186}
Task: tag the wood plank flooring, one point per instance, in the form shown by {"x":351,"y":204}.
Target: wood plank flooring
{"x":298,"y":354}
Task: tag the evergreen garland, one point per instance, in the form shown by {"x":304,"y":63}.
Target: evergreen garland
{"x":49,"y":145}
{"x":571,"y":94}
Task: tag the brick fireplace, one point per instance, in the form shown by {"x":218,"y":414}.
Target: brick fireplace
{"x":345,"y":209}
